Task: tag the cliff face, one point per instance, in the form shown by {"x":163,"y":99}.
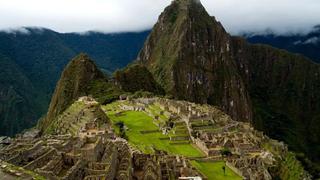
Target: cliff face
{"x":74,"y":82}
{"x":189,"y":53}
{"x":285,"y":91}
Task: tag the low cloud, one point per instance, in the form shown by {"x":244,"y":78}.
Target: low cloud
{"x":20,"y":30}
{"x":312,"y":40}
{"x":281,"y":16}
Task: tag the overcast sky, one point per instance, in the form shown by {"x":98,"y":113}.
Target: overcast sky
{"x":281,"y":16}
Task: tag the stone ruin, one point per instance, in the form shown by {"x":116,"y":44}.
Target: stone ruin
{"x":63,"y":157}
{"x":83,"y":112}
{"x":213,"y":131}
{"x":162,"y":166}
{"x":95,"y":153}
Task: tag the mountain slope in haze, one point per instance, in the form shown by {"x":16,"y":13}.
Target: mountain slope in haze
{"x":307,"y":45}
{"x":110,"y":51}
{"x":18,"y":96}
{"x":41,"y":54}
{"x":194,"y":59}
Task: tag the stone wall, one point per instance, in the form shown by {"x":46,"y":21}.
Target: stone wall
{"x":43,"y":160}
{"x":234,"y":169}
{"x":76,"y":171}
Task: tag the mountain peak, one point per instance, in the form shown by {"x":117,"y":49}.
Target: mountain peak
{"x":74,"y":83}
{"x":187,"y":2}
{"x":186,"y":52}
{"x":183,"y":5}
{"x":82,"y":57}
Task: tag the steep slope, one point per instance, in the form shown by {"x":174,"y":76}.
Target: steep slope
{"x":74,"y":82}
{"x":40,"y":53}
{"x":17,"y":108}
{"x":193,"y":58}
{"x":189,"y":53}
{"x":285,"y":91}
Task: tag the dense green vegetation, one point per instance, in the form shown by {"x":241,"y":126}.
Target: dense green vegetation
{"x":104,"y":91}
{"x":137,"y":77}
{"x":285,"y":94}
{"x":214,"y":171}
{"x":288,"y":168}
{"x":19,"y":100}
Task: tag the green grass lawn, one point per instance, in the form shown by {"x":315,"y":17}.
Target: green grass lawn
{"x":213,"y":170}
{"x":140,"y":121}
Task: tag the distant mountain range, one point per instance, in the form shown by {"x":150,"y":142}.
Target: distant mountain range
{"x":307,"y":44}
{"x":33,"y":58}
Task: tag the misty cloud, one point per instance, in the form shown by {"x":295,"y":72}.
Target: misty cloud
{"x":281,"y":16}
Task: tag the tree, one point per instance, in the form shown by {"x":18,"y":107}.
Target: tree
{"x":225,"y":152}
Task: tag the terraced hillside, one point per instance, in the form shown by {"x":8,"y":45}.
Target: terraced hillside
{"x":153,"y":138}
{"x":76,"y":116}
{"x":145,"y":135}
{"x":82,"y":145}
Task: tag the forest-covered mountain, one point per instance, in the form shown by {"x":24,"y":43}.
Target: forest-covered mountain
{"x":32,"y":61}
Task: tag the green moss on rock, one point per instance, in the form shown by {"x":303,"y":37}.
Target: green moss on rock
{"x":137,"y":78}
